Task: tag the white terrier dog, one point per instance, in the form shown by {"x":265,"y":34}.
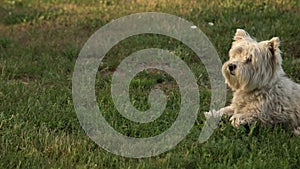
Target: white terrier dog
{"x":262,"y":92}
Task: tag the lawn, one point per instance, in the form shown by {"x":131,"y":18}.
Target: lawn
{"x":40,"y":42}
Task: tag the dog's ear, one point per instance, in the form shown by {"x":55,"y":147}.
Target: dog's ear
{"x":241,"y":34}
{"x":273,"y":45}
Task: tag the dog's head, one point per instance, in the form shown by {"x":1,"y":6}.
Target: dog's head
{"x":252,"y":65}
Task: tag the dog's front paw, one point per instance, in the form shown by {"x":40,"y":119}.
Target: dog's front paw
{"x":208,"y":114}
{"x":238,"y":119}
{"x":213,"y":113}
{"x":297,"y":131}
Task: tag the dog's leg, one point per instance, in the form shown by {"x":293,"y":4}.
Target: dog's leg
{"x":243,"y":118}
{"x":228,"y":111}
{"x":224,"y":111}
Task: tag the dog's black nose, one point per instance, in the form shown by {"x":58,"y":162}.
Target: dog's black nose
{"x":232,"y":67}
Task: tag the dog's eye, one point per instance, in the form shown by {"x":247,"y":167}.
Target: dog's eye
{"x":249,"y":59}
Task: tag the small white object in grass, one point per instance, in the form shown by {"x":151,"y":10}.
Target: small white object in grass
{"x":193,"y":27}
{"x":210,"y":23}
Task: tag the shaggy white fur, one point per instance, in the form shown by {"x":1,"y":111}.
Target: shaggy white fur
{"x":261,"y":89}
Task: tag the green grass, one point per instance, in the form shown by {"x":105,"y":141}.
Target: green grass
{"x":39,"y":44}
